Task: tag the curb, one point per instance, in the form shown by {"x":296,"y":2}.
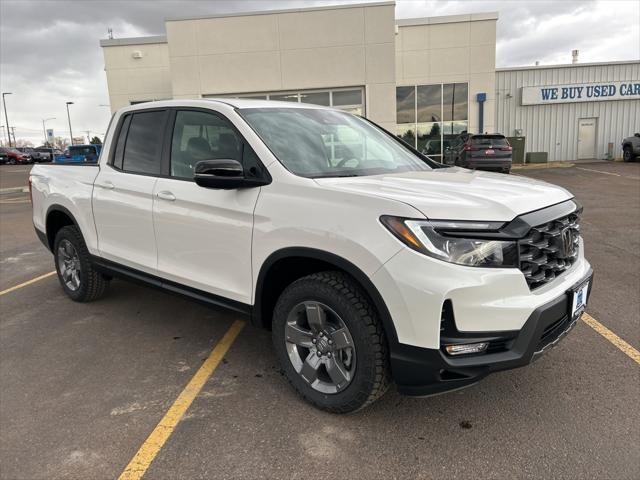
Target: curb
{"x":534,"y":166}
{"x":7,"y":191}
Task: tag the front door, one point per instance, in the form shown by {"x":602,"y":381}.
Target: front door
{"x":587,"y":138}
{"x":123,"y":192}
{"x":203,"y":234}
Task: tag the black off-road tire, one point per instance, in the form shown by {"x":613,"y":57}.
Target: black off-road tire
{"x":627,"y":154}
{"x":344,"y":296}
{"x":93,"y":284}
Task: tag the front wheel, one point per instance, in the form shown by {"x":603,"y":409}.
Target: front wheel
{"x":79,"y":280}
{"x":330,"y":342}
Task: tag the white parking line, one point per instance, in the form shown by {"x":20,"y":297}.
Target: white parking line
{"x":608,"y":173}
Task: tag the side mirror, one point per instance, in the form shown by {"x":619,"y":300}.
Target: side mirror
{"x":224,"y":174}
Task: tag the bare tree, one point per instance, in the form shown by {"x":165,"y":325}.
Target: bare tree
{"x":60,"y":143}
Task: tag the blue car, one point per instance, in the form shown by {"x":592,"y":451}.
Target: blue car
{"x":80,"y":154}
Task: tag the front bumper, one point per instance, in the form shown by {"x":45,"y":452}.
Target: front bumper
{"x":422,"y":371}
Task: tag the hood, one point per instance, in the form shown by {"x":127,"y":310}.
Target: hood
{"x":457,"y":193}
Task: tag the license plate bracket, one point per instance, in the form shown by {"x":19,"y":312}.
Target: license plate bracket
{"x":578,"y":296}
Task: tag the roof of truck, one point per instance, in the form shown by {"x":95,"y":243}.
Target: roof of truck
{"x":234,"y":102}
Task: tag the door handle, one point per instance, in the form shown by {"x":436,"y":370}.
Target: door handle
{"x":108,"y":185}
{"x":165,"y":195}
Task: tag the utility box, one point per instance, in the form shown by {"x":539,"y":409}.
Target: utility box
{"x":517,"y":154}
{"x":537,"y":157}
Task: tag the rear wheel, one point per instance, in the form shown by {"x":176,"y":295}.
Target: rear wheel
{"x":77,"y":276}
{"x":627,"y":154}
{"x":330,"y":342}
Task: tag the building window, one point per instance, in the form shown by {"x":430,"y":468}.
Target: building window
{"x":430,"y":116}
{"x":348,"y":99}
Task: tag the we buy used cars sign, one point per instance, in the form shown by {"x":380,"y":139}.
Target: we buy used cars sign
{"x":580,"y":92}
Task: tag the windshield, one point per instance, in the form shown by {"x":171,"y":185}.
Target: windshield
{"x":325,"y":143}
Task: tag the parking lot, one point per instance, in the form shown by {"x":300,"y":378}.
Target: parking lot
{"x":82,"y":386}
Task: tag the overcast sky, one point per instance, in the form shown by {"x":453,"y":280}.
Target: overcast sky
{"x":49,"y":51}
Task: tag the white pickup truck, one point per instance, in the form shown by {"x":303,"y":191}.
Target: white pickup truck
{"x":369,"y":262}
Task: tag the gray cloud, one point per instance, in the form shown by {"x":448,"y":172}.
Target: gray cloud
{"x":49,"y":51}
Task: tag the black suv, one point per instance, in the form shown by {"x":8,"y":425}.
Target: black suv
{"x":482,"y":152}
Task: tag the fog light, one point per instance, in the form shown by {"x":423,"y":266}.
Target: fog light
{"x":466,"y":348}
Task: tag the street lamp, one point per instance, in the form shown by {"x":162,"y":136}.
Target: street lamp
{"x":44,"y":130}
{"x":69,"y":118}
{"x":6,"y":119}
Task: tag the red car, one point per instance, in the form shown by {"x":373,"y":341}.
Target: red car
{"x":14,"y":157}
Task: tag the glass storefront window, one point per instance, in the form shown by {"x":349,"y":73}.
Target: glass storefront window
{"x":429,"y":117}
{"x":405,"y":105}
{"x":429,"y":103}
{"x":285,"y":97}
{"x":347,"y":97}
{"x":316,"y":98}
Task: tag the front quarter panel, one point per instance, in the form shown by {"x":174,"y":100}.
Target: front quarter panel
{"x":299,"y":213}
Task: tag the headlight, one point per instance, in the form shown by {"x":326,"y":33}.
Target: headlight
{"x":428,"y":238}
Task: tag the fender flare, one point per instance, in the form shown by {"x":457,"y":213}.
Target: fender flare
{"x":340,"y":263}
{"x":61,"y":209}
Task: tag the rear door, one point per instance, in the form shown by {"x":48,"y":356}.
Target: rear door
{"x":123,"y":191}
{"x":204,"y":235}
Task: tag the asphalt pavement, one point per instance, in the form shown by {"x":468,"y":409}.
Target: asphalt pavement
{"x":82,"y":386}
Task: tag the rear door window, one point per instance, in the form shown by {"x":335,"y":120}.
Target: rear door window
{"x":143,"y":146}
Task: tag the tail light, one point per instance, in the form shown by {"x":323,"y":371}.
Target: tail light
{"x":508,"y":148}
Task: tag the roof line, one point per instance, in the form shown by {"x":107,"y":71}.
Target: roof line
{"x":568,"y":65}
{"x":114,"y":42}
{"x":286,"y":10}
{"x":469,"y":17}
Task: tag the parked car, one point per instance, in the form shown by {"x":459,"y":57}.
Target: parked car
{"x":631,"y":148}
{"x":36,"y":155}
{"x":4,"y":157}
{"x":80,"y":154}
{"x":377,"y":266}
{"x":47,"y":153}
{"x":482,"y":152}
{"x":15,"y":157}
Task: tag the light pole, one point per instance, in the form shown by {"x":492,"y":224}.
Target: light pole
{"x":69,"y":118}
{"x":6,"y":119}
{"x":44,"y":130}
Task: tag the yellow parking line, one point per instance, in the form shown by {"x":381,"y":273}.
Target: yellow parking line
{"x":154,"y":442}
{"x":612,"y":337}
{"x":28,"y":282}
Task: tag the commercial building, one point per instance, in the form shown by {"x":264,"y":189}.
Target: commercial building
{"x":427,"y":79}
{"x":575,"y":111}
{"x":354,"y":57}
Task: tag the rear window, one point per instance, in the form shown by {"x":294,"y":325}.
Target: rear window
{"x":495,"y":140}
{"x":144,"y":143}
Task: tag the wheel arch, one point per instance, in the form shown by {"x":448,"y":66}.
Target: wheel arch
{"x":288,"y":264}
{"x":57,"y":217}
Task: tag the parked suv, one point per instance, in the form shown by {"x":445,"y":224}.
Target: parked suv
{"x":15,"y":157}
{"x":482,"y":152}
{"x":631,"y":148}
{"x":368,"y":262}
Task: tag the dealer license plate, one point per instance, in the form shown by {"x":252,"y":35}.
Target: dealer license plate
{"x":579,"y":299}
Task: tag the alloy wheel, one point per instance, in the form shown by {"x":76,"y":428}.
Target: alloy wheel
{"x":69,"y":265}
{"x":320,"y":347}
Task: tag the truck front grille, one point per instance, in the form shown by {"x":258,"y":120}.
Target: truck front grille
{"x":549,"y":249}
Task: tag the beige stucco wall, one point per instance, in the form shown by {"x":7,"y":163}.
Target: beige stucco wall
{"x":279,"y":51}
{"x":451,"y":49}
{"x":137,"y":79}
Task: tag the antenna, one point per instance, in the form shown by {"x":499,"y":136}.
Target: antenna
{"x":110,"y":33}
